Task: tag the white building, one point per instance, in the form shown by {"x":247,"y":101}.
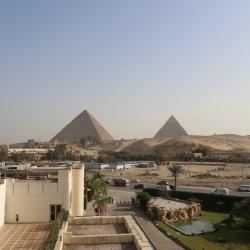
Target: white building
{"x":40,"y":201}
{"x":116,"y":165}
{"x":28,"y":150}
{"x":17,"y":166}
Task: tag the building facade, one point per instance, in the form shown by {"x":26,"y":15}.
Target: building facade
{"x":29,"y":201}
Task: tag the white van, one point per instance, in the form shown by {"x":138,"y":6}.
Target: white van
{"x":244,"y":188}
{"x":221,"y":191}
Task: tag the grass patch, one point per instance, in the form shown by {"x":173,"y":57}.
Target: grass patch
{"x":224,"y":238}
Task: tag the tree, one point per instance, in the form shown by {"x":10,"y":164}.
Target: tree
{"x":99,"y":187}
{"x":60,"y":151}
{"x":143,"y":199}
{"x":175,"y":170}
{"x":3,"y":154}
{"x":97,"y":175}
{"x":100,"y":202}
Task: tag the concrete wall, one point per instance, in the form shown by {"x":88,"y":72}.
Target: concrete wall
{"x":77,"y":191}
{"x":2,"y":201}
{"x":96,"y":220}
{"x":69,"y":239}
{"x":31,"y":200}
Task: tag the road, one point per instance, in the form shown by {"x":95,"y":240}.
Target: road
{"x":194,"y":189}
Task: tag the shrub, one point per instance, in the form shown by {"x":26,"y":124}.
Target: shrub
{"x":221,"y":240}
{"x":54,"y":230}
{"x":143,"y":199}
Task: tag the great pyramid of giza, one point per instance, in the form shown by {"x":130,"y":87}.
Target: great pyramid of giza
{"x":83,"y":126}
{"x":171,"y":129}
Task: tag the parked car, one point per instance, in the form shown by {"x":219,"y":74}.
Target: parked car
{"x":163,"y":185}
{"x":135,"y":181}
{"x":172,"y":187}
{"x":121,"y":182}
{"x":109,"y":182}
{"x":221,"y":191}
{"x":244,"y":188}
{"x":139,"y":186}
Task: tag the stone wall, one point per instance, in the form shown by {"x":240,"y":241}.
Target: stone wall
{"x":191,"y":210}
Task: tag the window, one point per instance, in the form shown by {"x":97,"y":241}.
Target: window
{"x":54,"y":211}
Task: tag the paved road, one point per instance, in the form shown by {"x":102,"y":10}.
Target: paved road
{"x":159,"y":240}
{"x":186,"y":188}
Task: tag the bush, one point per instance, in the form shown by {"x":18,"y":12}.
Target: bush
{"x":143,"y":199}
{"x":54,"y":230}
{"x":221,"y":240}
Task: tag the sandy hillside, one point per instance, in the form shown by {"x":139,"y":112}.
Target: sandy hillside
{"x":216,"y":143}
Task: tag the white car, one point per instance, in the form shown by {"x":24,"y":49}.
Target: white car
{"x":244,"y":188}
{"x":221,"y":191}
{"x":135,"y":181}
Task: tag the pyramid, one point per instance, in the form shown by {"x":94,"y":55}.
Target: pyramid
{"x":83,"y":126}
{"x":171,"y":129}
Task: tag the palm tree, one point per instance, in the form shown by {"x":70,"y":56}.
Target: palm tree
{"x":99,"y":187}
{"x":101,"y":204}
{"x":175,"y":170}
{"x":97,"y":175}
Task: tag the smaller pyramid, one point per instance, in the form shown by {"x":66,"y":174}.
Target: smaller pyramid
{"x":83,"y":126}
{"x":171,"y":129}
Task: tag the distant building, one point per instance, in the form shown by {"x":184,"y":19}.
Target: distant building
{"x":28,"y":150}
{"x":117,"y":165}
{"x":91,"y":152}
{"x":198,"y":155}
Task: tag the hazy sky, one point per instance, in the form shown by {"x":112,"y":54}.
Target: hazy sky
{"x":130,"y":63}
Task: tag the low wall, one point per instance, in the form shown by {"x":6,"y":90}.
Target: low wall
{"x":140,"y":240}
{"x":60,"y":240}
{"x":69,"y":239}
{"x":96,"y":220}
{"x":2,"y":201}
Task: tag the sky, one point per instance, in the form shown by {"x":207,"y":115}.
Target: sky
{"x":132,"y":64}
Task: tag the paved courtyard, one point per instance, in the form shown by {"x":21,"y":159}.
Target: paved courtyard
{"x":23,"y":236}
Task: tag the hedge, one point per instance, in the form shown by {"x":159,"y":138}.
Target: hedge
{"x":50,"y":243}
{"x":208,"y":201}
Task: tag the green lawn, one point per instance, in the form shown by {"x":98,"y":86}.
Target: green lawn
{"x":234,"y":239}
